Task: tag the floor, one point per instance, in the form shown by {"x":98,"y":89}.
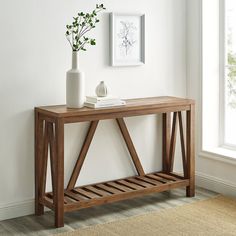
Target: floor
{"x":43,"y":225}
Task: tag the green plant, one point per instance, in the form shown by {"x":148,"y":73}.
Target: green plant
{"x":81,"y":25}
{"x":231,"y":72}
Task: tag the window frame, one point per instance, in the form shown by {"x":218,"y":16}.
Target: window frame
{"x":222,"y":53}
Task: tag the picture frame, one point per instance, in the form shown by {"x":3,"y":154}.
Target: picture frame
{"x":127,"y":39}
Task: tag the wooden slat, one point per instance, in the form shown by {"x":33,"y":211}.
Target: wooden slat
{"x":139,"y":182}
{"x":166,"y":127}
{"x":68,"y":200}
{"x":73,"y":196}
{"x":130,"y":146}
{"x":86,"y":193}
{"x":190,"y":191}
{"x":148,"y":180}
{"x":119,"y":187}
{"x":182,"y":144}
{"x":97,"y":191}
{"x":82,"y":155}
{"x":158,"y":178}
{"x":173,"y":142}
{"x":179,"y":176}
{"x":165,"y":176}
{"x":130,"y":185}
{"x":78,"y":194}
{"x":109,"y":189}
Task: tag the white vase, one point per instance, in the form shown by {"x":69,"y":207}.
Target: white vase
{"x":75,"y":85}
{"x":101,"y":90}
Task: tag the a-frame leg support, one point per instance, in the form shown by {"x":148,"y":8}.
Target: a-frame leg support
{"x":82,"y":155}
{"x":86,"y":145}
{"x":169,"y":143}
{"x":130,"y":146}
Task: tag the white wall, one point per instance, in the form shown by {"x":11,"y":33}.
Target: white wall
{"x":212,"y":171}
{"x":34,"y":56}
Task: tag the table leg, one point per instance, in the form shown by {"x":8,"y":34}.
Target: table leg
{"x":166,"y":128}
{"x":190,"y":129}
{"x":39,"y":208}
{"x":58,"y":195}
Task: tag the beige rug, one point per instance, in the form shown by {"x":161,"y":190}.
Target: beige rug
{"x":216,"y":216}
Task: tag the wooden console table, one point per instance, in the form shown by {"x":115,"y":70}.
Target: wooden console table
{"x":49,"y":138}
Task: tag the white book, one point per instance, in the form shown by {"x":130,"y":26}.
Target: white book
{"x":105,"y":102}
{"x":96,"y":105}
{"x":102,"y":99}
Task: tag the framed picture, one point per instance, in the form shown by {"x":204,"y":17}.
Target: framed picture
{"x":127,"y":39}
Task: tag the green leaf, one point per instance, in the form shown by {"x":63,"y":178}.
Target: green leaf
{"x":93,"y":42}
{"x":75,"y":46}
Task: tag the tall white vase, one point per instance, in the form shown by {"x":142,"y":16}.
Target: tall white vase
{"x":75,"y":85}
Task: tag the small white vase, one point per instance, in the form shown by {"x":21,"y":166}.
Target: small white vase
{"x":75,"y":85}
{"x":101,"y":90}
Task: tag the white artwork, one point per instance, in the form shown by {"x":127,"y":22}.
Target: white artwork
{"x":127,"y":40}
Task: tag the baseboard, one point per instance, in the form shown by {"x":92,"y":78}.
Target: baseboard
{"x":17,"y":209}
{"x":215,"y":184}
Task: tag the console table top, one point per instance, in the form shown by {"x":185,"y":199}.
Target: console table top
{"x":137,"y":104}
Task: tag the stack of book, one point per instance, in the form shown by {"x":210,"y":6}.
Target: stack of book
{"x":101,"y":102}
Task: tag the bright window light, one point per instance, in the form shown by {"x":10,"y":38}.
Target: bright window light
{"x":230,"y":74}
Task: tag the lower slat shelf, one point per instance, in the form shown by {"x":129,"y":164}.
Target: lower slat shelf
{"x":112,"y":191}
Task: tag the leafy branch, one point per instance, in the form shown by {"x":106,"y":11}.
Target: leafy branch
{"x":231,"y":72}
{"x":81,"y":25}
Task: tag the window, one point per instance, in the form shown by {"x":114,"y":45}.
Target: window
{"x":229,"y":73}
{"x":218,"y":84}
